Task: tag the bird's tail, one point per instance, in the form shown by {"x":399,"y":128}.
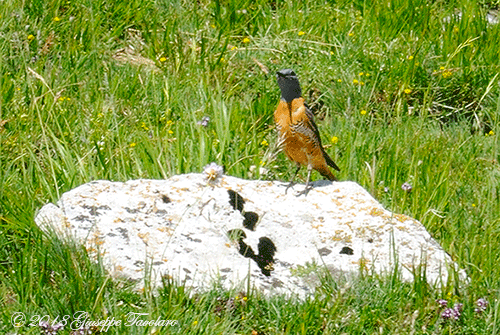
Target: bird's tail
{"x":330,"y":161}
{"x":325,"y":172}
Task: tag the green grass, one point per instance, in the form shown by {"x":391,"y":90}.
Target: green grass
{"x":113,"y":90}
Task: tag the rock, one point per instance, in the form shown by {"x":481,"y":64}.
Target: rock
{"x":199,"y":233}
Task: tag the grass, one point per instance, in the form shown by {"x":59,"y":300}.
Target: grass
{"x":403,"y":91}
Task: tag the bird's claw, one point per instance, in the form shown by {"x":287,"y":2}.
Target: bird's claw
{"x":304,"y":191}
{"x":289,"y":186}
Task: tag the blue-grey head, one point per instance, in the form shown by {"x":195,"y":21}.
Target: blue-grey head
{"x":289,"y":85}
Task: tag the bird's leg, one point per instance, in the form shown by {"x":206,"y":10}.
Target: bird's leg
{"x":307,"y":188}
{"x":294,"y":175}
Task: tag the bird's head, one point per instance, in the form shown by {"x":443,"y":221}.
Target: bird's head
{"x":289,"y":85}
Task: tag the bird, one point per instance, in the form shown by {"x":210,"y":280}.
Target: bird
{"x":298,"y":134}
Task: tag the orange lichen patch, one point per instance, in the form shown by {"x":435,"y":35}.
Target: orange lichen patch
{"x":401,"y":217}
{"x":376,"y":211}
{"x":165,"y":229}
{"x":96,"y":239}
{"x":341,"y":236}
{"x":119,"y":268}
{"x":337,"y":202}
{"x":316,"y":226}
{"x":143,"y":237}
{"x":228,"y":245}
{"x":117,"y":220}
{"x":403,"y":228}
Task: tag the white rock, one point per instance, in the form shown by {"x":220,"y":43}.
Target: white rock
{"x":179,"y":227}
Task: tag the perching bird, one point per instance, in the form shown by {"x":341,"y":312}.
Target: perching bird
{"x":298,"y":134}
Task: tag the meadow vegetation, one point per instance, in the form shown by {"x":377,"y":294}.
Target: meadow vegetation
{"x":403,"y":92}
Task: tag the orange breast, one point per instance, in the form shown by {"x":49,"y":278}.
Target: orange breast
{"x":294,"y":144}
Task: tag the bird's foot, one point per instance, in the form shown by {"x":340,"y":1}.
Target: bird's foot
{"x":304,"y":191}
{"x":290,"y":185}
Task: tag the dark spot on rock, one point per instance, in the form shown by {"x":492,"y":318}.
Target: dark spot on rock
{"x":187,"y":277}
{"x":157,"y":263}
{"x":235,"y":200}
{"x":370,"y":240}
{"x":226,"y":270}
{"x":139,"y":264}
{"x":276,"y":283}
{"x":186,"y":270}
{"x":324,"y":251}
{"x":131,"y":211}
{"x":161,"y":212}
{"x":347,"y":251}
{"x":251,"y":220}
{"x":94,"y":210}
{"x":123,"y":232}
{"x":265,"y":258}
{"x":111,"y":234}
{"x":81,"y":218}
{"x":266,"y":247}
{"x":245,"y":250}
{"x":197,"y":240}
{"x":165,"y":198}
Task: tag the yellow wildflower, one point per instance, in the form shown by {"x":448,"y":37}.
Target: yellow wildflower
{"x":361,"y":73}
{"x":56,"y":19}
{"x":334,"y":140}
{"x":264,"y":143}
{"x":407,"y":91}
{"x":355,"y":81}
{"x":351,"y":34}
{"x":447,"y":74}
{"x":491,"y":133}
{"x":246,"y":40}
{"x":163,"y":59}
{"x":363,"y":112}
{"x":301,"y":33}
{"x":170,"y":132}
{"x":234,"y":48}
{"x":410,"y":57}
{"x":30,"y":37}
{"x":339,"y":80}
{"x":133,"y":144}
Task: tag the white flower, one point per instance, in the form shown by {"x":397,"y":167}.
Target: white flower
{"x":213,"y":172}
